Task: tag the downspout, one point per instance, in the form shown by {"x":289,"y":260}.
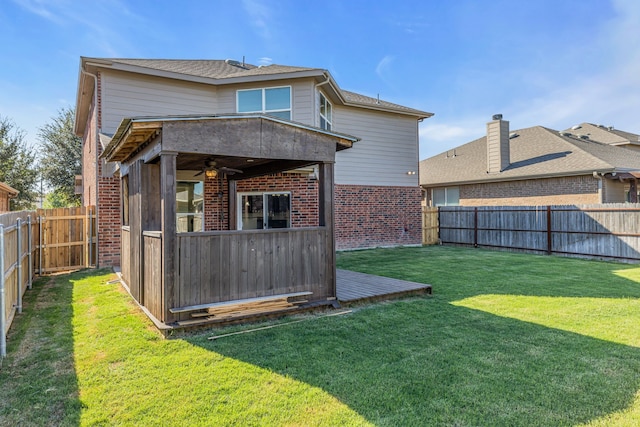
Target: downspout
{"x":599,"y":178}
{"x":96,"y":144}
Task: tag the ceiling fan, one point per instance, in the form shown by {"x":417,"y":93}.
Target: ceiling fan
{"x":211,"y":169}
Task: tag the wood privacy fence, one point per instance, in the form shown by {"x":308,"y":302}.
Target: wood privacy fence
{"x":42,"y":241}
{"x":606,"y":231}
{"x":429,"y":226}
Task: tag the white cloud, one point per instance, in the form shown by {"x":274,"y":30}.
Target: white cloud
{"x":383,"y":66}
{"x":260,"y":16}
{"x":608,"y":94}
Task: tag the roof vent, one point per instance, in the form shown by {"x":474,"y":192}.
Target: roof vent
{"x":610,"y":127}
{"x":564,"y":133}
{"x":576,"y":127}
{"x":496,"y":117}
{"x":234,"y":63}
{"x":513,"y":135}
{"x":584,"y":136}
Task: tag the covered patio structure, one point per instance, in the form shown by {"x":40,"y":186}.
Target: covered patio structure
{"x":181,"y":277}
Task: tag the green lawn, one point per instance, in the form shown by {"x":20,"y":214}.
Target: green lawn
{"x":507,"y":339}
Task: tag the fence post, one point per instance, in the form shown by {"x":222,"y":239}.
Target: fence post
{"x":3,"y":309}
{"x":549,"y":230}
{"x":40,"y":238}
{"x":90,"y":237}
{"x":475,"y":227}
{"x":30,"y":255}
{"x":19,"y":261}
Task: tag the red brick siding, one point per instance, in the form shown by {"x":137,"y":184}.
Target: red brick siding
{"x":304,"y":198}
{"x":369,"y":217}
{"x":549,"y":191}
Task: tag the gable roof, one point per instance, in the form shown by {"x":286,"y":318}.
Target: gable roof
{"x":12,"y":192}
{"x":605,"y":134}
{"x":537,"y":152}
{"x":222,"y":72}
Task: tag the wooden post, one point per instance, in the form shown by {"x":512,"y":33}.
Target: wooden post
{"x":30,"y":245}
{"x":169,"y":238}
{"x":475,"y":227}
{"x":19,"y":263}
{"x":233,"y":204}
{"x":549,"y":240}
{"x":3,"y":309}
{"x":633,"y":191}
{"x":41,"y":241}
{"x":325,"y":217}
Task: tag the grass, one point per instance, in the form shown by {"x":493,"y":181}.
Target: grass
{"x":507,"y":339}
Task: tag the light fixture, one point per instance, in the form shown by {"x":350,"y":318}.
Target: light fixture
{"x":411,"y":172}
{"x":211,"y":173}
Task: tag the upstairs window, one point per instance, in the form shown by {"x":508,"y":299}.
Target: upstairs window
{"x":326,"y":113}
{"x":275,"y":101}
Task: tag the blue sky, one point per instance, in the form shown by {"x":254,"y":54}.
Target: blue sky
{"x":554,"y":63}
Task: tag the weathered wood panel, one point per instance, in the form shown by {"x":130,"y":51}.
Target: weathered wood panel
{"x":247,"y":137}
{"x":125,"y":254}
{"x":608,"y":231}
{"x":68,"y":238}
{"x":429,"y":226}
{"x":152,"y":277}
{"x":233,"y":265}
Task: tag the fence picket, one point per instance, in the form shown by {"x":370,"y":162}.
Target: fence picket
{"x":60,"y":240}
{"x":607,"y":231}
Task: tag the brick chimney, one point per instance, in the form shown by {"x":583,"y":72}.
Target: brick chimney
{"x":497,"y":144}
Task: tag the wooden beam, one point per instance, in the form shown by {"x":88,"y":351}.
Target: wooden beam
{"x":271,"y":167}
{"x":326,"y":219}
{"x":169,"y":238}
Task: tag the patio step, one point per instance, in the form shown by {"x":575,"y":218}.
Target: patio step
{"x":214,"y":305}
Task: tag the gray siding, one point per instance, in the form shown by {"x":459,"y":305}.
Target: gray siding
{"x":130,"y":95}
{"x":387,"y":151}
{"x":302,"y":97}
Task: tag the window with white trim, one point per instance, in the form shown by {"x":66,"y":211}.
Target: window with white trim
{"x":189,"y":206}
{"x":257,"y":211}
{"x":326,"y":113}
{"x":447,"y":196}
{"x":275,"y":101}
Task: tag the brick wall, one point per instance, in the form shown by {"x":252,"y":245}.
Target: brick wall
{"x":304,"y":198}
{"x":550,"y":191}
{"x":108,"y":191}
{"x":368,"y":217}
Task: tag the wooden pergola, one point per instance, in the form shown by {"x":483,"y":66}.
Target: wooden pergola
{"x":176,"y":276}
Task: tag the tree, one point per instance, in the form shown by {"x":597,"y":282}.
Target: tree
{"x":17,"y":165}
{"x":61,"y":157}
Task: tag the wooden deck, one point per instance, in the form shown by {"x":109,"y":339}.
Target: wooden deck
{"x":352,"y":286}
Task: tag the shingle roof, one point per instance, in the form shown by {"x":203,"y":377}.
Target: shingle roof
{"x":535,"y":152}
{"x":218,"y":69}
{"x":213,"y":69}
{"x":604,"y":134}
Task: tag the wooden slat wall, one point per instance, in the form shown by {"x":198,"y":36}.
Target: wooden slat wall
{"x":429,"y":226}
{"x":125,"y":254}
{"x":152,"y":277}
{"x":16,"y":236}
{"x":65,"y":240}
{"x":226,"y":266}
{"x":609,"y":231}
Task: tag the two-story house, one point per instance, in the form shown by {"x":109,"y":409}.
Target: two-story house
{"x":377,"y":194}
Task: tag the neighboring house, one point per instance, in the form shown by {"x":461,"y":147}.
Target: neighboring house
{"x":6,"y":193}
{"x":377,"y":194}
{"x":532,"y":166}
{"x":606,"y":135}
